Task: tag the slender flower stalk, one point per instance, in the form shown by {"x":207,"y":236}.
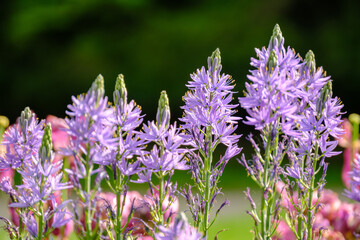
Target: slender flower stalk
{"x":165,"y":156}
{"x":90,"y":131}
{"x":119,"y":157}
{"x":271,"y":103}
{"x":319,"y":119}
{"x":208,"y":121}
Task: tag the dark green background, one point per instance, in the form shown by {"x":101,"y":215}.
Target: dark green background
{"x":51,"y":50}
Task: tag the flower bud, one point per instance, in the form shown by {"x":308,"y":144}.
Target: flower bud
{"x":272,"y":61}
{"x":163,"y":112}
{"x":310,"y":61}
{"x":25,"y":119}
{"x":214,"y":61}
{"x":276,"y":39}
{"x":98,"y":86}
{"x":46,"y":142}
{"x":326,"y":92}
{"x":120,"y":93}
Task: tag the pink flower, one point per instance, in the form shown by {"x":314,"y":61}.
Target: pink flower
{"x":284,"y":232}
{"x":133,"y":200}
{"x":341,"y":219}
{"x":351,"y":147}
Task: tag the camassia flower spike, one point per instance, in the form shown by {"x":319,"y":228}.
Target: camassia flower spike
{"x":208,"y":121}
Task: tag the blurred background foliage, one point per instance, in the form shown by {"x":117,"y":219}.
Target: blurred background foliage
{"x":51,"y":50}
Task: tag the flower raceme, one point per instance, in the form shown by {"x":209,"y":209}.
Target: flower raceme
{"x":32,"y":157}
{"x":290,"y":102}
{"x":208,"y":121}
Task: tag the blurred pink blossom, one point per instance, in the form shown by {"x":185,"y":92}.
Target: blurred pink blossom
{"x":340,"y":219}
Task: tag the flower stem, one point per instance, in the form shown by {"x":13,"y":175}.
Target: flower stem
{"x":265,"y":208}
{"x":41,"y":221}
{"x":161,"y":198}
{"x":309,"y":226}
{"x":118,"y":205}
{"x":207,"y":168}
{"x":88,"y":194}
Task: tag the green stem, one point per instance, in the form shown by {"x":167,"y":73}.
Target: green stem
{"x":300,"y":230}
{"x":41,"y":221}
{"x":21,"y":226}
{"x":88,"y":193}
{"x":299,"y":222}
{"x":207,"y":168}
{"x":311,"y":191}
{"x":265,"y":208}
{"x":118,"y":205}
{"x":161,"y":199}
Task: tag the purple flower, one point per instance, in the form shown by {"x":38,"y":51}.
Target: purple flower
{"x":22,"y":142}
{"x":293,"y":171}
{"x":31,"y":225}
{"x":207,"y":103}
{"x":61,"y":216}
{"x":180,"y":230}
{"x":125,"y":144}
{"x":208,"y":120}
{"x":271,"y":98}
{"x":127,"y":115}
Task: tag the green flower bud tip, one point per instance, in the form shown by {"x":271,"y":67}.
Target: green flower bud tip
{"x":354,"y":118}
{"x":46,"y":142}
{"x":24,"y":119}
{"x":310,"y":61}
{"x":272,"y":61}
{"x":215,"y":59}
{"x":120,"y":89}
{"x":277,"y":34}
{"x":26,"y":114}
{"x":98,"y":85}
{"x":325,"y":93}
{"x":163,"y":112}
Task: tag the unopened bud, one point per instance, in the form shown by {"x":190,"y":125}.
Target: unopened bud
{"x":326,"y":92}
{"x":214,"y":61}
{"x":310,"y":61}
{"x":46,"y":142}
{"x":276,"y":39}
{"x":25,"y":118}
{"x":98,"y":86}
{"x":26,"y":114}
{"x":120,"y":93}
{"x":163,"y":112}
{"x":272,"y":61}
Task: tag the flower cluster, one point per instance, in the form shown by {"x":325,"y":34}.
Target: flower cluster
{"x":35,"y":201}
{"x":208,"y":121}
{"x":165,"y":156}
{"x":290,"y":102}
